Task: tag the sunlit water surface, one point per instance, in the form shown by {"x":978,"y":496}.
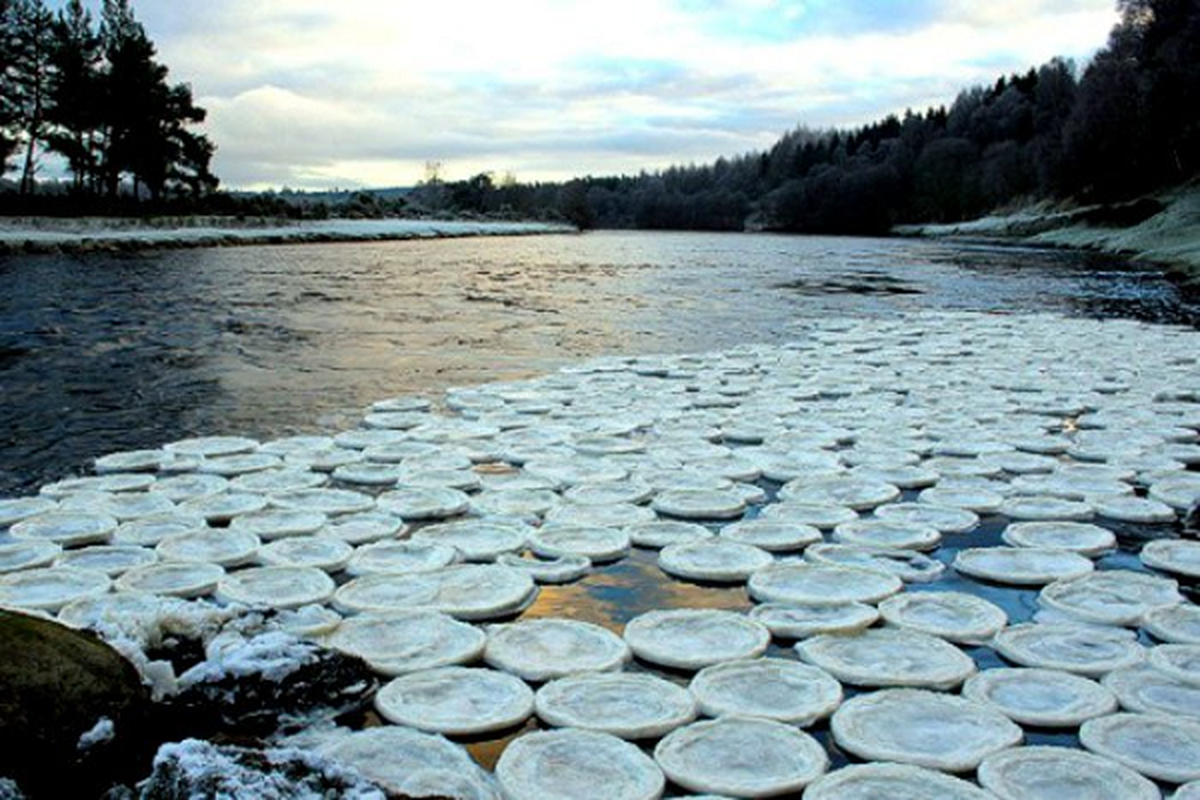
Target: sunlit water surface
{"x":100,"y":353}
{"x":103,"y":353}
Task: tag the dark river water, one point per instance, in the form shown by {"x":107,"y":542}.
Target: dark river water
{"x":100,"y":353}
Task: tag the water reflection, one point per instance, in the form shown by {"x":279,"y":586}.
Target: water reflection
{"x":108,"y":352}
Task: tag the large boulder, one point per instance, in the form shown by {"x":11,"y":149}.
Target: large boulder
{"x":72,"y":710}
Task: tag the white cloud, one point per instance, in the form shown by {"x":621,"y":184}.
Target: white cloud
{"x":310,"y":93}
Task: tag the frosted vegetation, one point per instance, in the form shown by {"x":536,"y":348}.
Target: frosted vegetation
{"x":814,"y":639}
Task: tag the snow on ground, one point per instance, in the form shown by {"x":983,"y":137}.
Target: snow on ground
{"x":37,"y":234}
{"x":1171,"y":237}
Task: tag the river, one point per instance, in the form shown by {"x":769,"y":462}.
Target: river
{"x":100,"y":353}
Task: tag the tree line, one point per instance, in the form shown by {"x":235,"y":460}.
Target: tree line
{"x":93,"y":92}
{"x":1127,"y":124}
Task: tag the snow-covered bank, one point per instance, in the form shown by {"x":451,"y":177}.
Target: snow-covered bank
{"x":1164,"y":230}
{"x":45,"y":235}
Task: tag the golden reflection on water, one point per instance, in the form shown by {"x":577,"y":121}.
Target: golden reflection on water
{"x":610,"y":596}
{"x":613,"y":594}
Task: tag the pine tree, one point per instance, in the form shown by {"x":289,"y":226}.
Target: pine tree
{"x":76,"y":93}
{"x":28,"y":75}
{"x":8,"y":141}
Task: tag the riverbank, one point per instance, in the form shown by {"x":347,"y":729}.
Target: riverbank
{"x":1163,"y":229}
{"x":42,"y":235}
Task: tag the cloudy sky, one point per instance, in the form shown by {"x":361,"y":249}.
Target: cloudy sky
{"x":325,"y":93}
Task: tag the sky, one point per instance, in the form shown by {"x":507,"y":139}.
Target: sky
{"x":317,"y":94}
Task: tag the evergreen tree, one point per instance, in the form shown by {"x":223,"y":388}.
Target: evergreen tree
{"x":28,"y":77}
{"x":76,"y":93}
{"x":8,"y":142}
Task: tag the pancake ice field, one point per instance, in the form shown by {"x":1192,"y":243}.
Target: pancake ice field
{"x":929,"y":555}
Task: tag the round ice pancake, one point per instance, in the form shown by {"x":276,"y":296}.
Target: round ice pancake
{"x":332,"y":502}
{"x":772,"y":535}
{"x":409,"y":763}
{"x":978,"y":501}
{"x":955,"y":616}
{"x":623,"y":704}
{"x":928,"y":729}
{"x":67,"y":528}
{"x":476,"y":539}
{"x":222,"y":546}
{"x":1177,"y":556}
{"x":1162,"y":748}
{"x":907,"y":565}
{"x":400,"y":557}
{"x":172,"y":579}
{"x":892,"y":781}
{"x":770,"y":688}
{"x":882,"y":533}
{"x":715,"y":559}
{"x":694,"y":504}
{"x":149,"y":531}
{"x":665,"y":532}
{"x":320,"y":552}
{"x":888,"y":657}
{"x":458,"y":701}
{"x":1088,"y":650}
{"x":1042,"y":698}
{"x":276,"y":481}
{"x":567,"y":764}
{"x":218,"y":509}
{"x":1110,"y":597}
{"x":277,"y":524}
{"x":112,"y":560}
{"x":212,"y":446}
{"x":1144,"y":689}
{"x":514,"y":503}
{"x":795,"y":621}
{"x":1052,"y":773}
{"x":947,"y":519}
{"x":624,"y":491}
{"x":817,"y":584}
{"x":15,"y":509}
{"x":370,"y":526}
{"x":16,"y":556}
{"x":593,"y":543}
{"x":1179,"y":623}
{"x":465,"y":591}
{"x":561,"y":569}
{"x":1021,"y":566}
{"x":1078,"y":537}
{"x":408,"y":641}
{"x":544,"y":649}
{"x":741,"y":756}
{"x":276,"y":587}
{"x":854,"y":493}
{"x":1178,"y":661}
{"x":1126,"y":508}
{"x":50,"y":588}
{"x":1045,"y":508}
{"x":693,"y":638}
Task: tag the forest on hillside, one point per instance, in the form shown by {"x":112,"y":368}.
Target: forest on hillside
{"x":1126,"y":124}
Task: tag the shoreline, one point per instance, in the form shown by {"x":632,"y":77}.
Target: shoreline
{"x":1163,"y":230}
{"x":91,"y":235}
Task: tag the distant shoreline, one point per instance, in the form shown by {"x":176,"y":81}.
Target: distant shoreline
{"x":99,"y":235}
{"x":1163,"y":230}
